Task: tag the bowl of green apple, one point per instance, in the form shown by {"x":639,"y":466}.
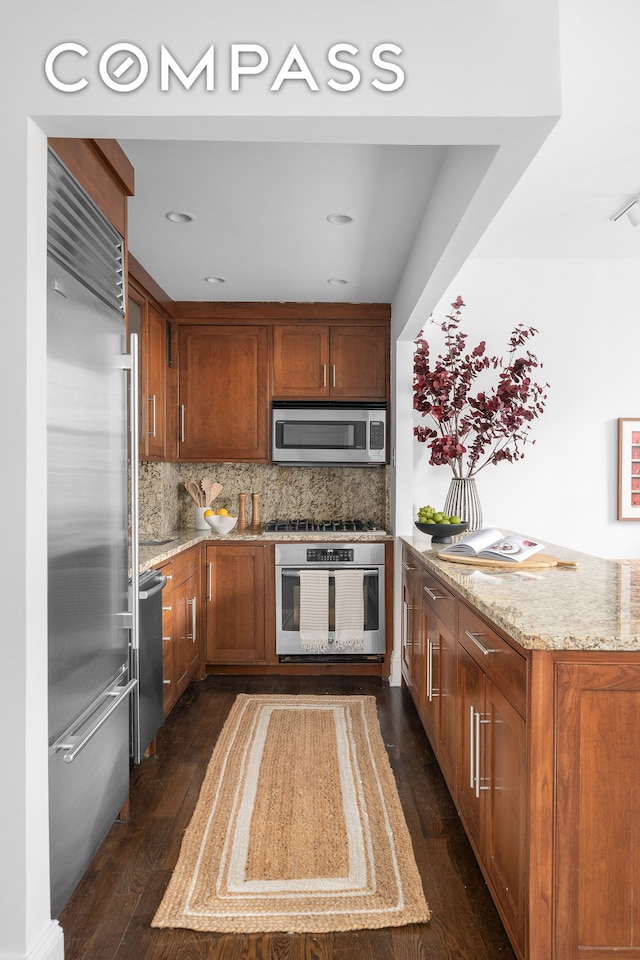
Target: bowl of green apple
{"x":442,"y":528}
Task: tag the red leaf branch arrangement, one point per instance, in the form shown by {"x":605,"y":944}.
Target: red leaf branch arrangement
{"x":470,"y":428}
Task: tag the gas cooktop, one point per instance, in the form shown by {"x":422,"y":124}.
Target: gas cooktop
{"x":322,"y":526}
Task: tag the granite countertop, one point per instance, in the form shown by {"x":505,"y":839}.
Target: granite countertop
{"x":594,"y":606}
{"x":159,"y":552}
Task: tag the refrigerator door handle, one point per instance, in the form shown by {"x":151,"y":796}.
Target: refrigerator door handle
{"x":134,"y":435}
{"x":73,"y":744}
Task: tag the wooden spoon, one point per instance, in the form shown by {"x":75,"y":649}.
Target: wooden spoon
{"x":194,"y":490}
{"x":211,"y":489}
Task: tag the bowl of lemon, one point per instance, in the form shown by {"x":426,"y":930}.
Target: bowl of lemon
{"x":220,"y":521}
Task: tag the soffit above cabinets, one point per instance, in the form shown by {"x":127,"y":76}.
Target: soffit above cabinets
{"x":260,"y":217}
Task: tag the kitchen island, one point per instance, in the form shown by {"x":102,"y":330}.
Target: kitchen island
{"x":527,"y":683}
{"x":592,"y":606}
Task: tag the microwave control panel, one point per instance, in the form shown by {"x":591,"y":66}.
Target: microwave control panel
{"x":376,"y":435}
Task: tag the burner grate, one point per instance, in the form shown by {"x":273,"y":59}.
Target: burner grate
{"x":304,"y":525}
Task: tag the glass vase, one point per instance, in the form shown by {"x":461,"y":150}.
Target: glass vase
{"x":463,"y":501}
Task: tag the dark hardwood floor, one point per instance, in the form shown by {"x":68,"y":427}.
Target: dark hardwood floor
{"x":109,"y":914}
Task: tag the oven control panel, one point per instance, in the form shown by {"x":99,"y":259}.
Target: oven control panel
{"x":330,"y":555}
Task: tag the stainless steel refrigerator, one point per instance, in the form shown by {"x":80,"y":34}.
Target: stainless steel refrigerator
{"x":91,"y":607}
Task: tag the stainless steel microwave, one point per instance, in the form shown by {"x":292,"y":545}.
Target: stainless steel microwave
{"x":329,"y":433}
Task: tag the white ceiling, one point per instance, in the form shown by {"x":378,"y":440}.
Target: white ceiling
{"x":260,"y":208}
{"x":589,"y":167}
{"x":261,"y":217}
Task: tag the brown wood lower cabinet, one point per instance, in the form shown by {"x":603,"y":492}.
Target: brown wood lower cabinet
{"x":412,"y":655}
{"x":181,"y":624}
{"x":492,"y":767}
{"x":439,"y":699}
{"x":236,"y":602}
{"x":539,"y":749}
{"x":598,"y":810}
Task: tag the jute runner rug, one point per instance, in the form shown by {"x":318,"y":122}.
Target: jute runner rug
{"x":298,"y":826}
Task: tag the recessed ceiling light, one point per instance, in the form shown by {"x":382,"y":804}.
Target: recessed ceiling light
{"x":339,"y":218}
{"x":215,"y":279}
{"x":179,"y":216}
{"x":337,"y":281}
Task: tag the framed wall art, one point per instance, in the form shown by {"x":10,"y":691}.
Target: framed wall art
{"x":629,"y":469}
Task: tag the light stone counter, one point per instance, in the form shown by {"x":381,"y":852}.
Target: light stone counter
{"x":595,"y":606}
{"x":159,"y":552}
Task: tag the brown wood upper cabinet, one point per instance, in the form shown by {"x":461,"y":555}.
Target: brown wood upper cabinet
{"x":223,"y":406}
{"x":152,"y":328}
{"x":330,"y":361}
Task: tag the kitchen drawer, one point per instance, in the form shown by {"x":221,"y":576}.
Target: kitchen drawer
{"x":497,"y":658}
{"x":185,"y":564}
{"x":440,"y":600}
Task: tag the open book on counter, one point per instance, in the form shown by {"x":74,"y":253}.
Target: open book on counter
{"x":491,"y":544}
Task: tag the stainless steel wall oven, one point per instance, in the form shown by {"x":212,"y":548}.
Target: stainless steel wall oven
{"x":330,"y":602}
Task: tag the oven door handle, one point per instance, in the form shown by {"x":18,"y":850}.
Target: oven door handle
{"x":290,"y":572}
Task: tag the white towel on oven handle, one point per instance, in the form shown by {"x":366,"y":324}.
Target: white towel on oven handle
{"x":314,"y":610}
{"x":349,"y":607}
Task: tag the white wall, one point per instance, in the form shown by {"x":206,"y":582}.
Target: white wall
{"x":587,"y":313}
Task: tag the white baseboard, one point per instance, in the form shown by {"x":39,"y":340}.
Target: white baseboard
{"x":49,"y":946}
{"x":395,"y":677}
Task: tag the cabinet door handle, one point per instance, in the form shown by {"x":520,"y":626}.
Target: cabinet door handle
{"x":477,"y":718}
{"x":407,"y":566}
{"x":433,"y":595}
{"x":182,"y":421}
{"x":333,"y":374}
{"x":475,"y":775}
{"x":472,"y":750}
{"x":324,"y":374}
{"x":152,"y":432}
{"x":431,"y":692}
{"x":407,"y":640}
{"x":481,"y":647}
{"x":192,"y":603}
{"x":210,"y":581}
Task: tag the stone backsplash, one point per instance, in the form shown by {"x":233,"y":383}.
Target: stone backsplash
{"x":317,"y":493}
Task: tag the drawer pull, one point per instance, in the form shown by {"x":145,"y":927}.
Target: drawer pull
{"x":408,"y":566}
{"x":481,"y":647}
{"x":433,"y":595}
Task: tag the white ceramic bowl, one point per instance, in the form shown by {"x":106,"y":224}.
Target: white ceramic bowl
{"x":221,"y":524}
